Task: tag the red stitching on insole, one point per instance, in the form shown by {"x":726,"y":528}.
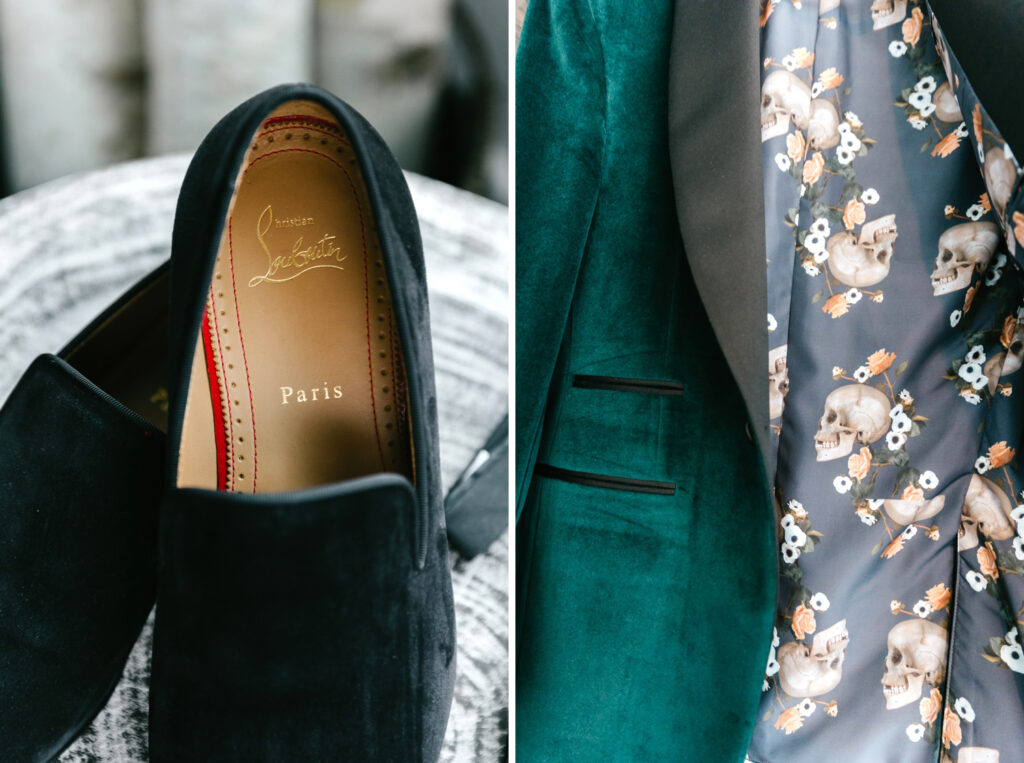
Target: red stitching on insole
{"x":241,"y":342}
{"x":366,"y":274}
{"x":213,"y":389}
{"x":224,"y":393}
{"x":303,"y":127}
{"x":302,"y":118}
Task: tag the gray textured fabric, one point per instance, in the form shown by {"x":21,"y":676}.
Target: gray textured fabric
{"x":68,"y":248}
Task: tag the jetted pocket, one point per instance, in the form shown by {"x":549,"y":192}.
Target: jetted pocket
{"x":606,"y":481}
{"x":627,"y":384}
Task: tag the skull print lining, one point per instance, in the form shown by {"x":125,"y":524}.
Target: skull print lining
{"x":896,"y":341}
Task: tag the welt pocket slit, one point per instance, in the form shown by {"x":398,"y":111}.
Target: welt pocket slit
{"x":607,"y":481}
{"x":627,"y":384}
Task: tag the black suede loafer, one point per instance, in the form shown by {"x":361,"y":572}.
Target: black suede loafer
{"x":305,"y":608}
{"x":81,"y":468}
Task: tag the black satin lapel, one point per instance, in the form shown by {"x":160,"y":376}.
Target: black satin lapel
{"x":715,"y":145}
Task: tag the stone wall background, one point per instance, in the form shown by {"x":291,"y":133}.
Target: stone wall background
{"x":87,"y":83}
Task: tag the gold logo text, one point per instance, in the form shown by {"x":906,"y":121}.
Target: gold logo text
{"x":324,"y":253}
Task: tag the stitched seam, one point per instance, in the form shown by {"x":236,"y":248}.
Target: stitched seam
{"x":366,"y":275}
{"x":322,"y":155}
{"x":319,"y":130}
{"x":245,"y":362}
{"x":369,"y":348}
{"x":951,"y":646}
{"x":302,"y":118}
{"x":530,"y":462}
{"x":213,"y":390}
{"x":394,"y":375}
{"x":224,"y":395}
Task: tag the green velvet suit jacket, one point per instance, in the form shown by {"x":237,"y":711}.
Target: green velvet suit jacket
{"x":646,"y":564}
{"x":645,"y":533}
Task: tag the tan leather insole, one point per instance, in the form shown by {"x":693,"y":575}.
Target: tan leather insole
{"x":126,"y":356}
{"x":297,"y":378}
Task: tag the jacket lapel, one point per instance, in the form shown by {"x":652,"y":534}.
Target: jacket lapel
{"x":715,"y":147}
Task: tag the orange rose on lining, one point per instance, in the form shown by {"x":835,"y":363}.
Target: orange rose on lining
{"x":790,"y":720}
{"x":1000,"y":455}
{"x":978,"y":125}
{"x":836,"y":305}
{"x":813,"y":168}
{"x":912,"y":28}
{"x":803,"y":621}
{"x":951,"y":729}
{"x":987,"y":561}
{"x":879,"y":361}
{"x":804,"y":57}
{"x":929,"y":707}
{"x":853,"y":214}
{"x":969,"y":297}
{"x":795,"y":146}
{"x":986,"y":205}
{"x":859,"y":464}
{"x":830,"y":78}
{"x":938,"y":596}
{"x":1009,"y":326}
{"x":947,"y":145}
{"x":1018,"y":227}
{"x":912,"y":493}
{"x":894,"y":547}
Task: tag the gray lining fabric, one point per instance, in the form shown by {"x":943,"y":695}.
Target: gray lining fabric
{"x":893,"y":286}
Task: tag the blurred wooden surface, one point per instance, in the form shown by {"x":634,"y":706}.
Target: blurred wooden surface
{"x":68,"y":248}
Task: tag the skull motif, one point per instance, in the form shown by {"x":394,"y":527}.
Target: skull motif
{"x":978,"y":755}
{"x":986,"y":510}
{"x":864,"y":260}
{"x":1006,"y":363}
{"x":778,"y":380}
{"x":905,"y":512}
{"x":887,"y":12}
{"x":823,"y":128}
{"x":1000,"y":175}
{"x":916,"y":655}
{"x":946,"y":107}
{"x":785,"y":98}
{"x":810,"y":671}
{"x":853,"y":413}
{"x":963,"y":249}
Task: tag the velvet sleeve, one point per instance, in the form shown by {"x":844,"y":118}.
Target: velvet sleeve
{"x":560,"y":102}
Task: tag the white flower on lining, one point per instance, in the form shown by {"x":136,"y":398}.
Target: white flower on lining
{"x":976,"y":580}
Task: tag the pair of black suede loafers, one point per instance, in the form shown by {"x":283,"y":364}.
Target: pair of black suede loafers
{"x":280,"y":502}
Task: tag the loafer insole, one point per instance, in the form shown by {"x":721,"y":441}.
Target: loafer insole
{"x":297,"y":378}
